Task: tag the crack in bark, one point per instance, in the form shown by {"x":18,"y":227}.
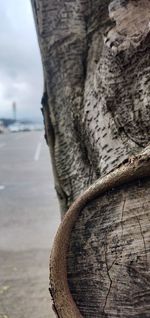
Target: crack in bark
{"x":123,"y":206}
{"x":144,"y":243}
{"x":114,"y":261}
{"x":122,"y":215}
{"x":108,"y":274}
{"x":107,"y":267}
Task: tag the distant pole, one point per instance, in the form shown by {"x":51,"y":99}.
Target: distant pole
{"x":14,"y":111}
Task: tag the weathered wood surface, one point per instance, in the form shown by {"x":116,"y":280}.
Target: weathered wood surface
{"x":96,"y":63}
{"x":97,"y":82}
{"x":109,"y":258}
{"x":132,"y":171}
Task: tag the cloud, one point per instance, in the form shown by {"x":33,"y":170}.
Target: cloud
{"x":20,"y":64}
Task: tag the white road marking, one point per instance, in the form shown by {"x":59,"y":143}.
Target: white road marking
{"x":2,"y":187}
{"x":38,"y":149}
{"x":2,"y":145}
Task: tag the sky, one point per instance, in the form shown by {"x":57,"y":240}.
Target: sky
{"x":21,"y":79}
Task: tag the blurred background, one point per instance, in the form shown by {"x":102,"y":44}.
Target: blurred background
{"x":29,"y":212}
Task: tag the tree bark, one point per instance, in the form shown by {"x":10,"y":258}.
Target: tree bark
{"x":96,"y":61}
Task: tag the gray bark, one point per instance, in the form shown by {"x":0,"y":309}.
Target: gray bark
{"x":96,"y":61}
{"x":112,"y":235}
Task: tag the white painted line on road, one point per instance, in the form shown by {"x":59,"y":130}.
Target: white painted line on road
{"x":38,"y":149}
{"x":2,"y":145}
{"x":37,"y":153}
{"x":2,"y":187}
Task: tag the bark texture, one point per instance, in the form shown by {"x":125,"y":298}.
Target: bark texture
{"x":82,"y":261}
{"x":96,"y":62}
{"x":96,"y":66}
{"x":112,"y":235}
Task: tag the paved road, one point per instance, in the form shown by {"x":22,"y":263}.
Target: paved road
{"x":29,"y":217}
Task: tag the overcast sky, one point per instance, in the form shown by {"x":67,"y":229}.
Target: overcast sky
{"x":20,"y":65}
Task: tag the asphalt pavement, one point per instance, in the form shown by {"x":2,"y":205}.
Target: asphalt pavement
{"x":29,"y":217}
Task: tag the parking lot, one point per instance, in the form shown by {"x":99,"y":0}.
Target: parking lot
{"x":29,"y":217}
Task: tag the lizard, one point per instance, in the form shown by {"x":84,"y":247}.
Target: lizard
{"x":135,"y":168}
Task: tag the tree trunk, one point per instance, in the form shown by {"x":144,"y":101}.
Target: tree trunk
{"x":96,"y":61}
